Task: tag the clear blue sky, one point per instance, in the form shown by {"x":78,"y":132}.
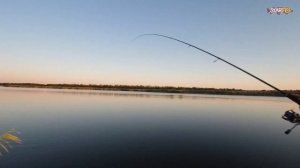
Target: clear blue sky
{"x":91,"y":42}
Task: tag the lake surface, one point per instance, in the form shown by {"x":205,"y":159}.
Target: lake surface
{"x":89,"y":129}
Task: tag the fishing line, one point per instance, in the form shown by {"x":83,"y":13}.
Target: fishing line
{"x":292,"y":97}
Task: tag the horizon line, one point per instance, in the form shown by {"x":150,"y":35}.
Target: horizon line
{"x":160,"y":86}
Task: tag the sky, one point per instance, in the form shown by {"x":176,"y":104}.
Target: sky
{"x":93,"y":42}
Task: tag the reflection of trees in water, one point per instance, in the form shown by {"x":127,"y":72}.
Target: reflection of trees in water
{"x":144,"y":94}
{"x":6,"y":140}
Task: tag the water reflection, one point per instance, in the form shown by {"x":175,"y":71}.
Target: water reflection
{"x":141,"y":94}
{"x":64,"y":128}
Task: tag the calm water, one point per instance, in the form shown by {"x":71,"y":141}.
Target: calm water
{"x":86,"y":129}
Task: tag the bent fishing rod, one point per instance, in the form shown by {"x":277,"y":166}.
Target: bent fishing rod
{"x":292,"y":97}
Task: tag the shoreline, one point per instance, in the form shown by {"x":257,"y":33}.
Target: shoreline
{"x":153,"y":89}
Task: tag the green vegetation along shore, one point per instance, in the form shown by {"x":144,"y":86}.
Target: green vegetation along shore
{"x":158,"y":89}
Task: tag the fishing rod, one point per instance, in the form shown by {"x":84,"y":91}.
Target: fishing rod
{"x":292,"y":97}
